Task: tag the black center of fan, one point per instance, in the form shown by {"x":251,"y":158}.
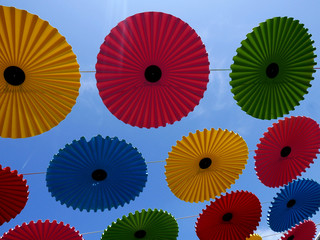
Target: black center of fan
{"x":99,"y":175}
{"x":14,"y":75}
{"x":227,"y":217}
{"x":205,"y":163}
{"x":152,"y":73}
{"x":291,"y":203}
{"x":285,"y":151}
{"x":140,"y":234}
{"x":272,"y":70}
{"x":291,"y":237}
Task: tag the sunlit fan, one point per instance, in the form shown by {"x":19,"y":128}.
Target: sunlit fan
{"x":152,"y":69}
{"x":13,"y":194}
{"x":42,"y":231}
{"x":233,"y":216}
{"x":296,"y":202}
{"x":99,"y":174}
{"x":151,"y":224}
{"x":254,"y":237}
{"x":204,"y":164}
{"x":286,"y":150}
{"x":39,"y":80}
{"x":303,"y":231}
{"x":273,"y":68}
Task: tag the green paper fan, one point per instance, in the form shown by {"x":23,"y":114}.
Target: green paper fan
{"x":273,"y":68}
{"x":147,"y":225}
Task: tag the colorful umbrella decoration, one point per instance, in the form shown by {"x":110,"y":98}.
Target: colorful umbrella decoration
{"x":254,"y":237}
{"x":40,"y":76}
{"x":303,"y":231}
{"x":203,"y":165}
{"x":13,"y":194}
{"x":151,"y":224}
{"x":286,"y":150}
{"x":152,"y":69}
{"x":233,"y":216}
{"x":42,"y":231}
{"x":273,"y":68}
{"x":297,"y":201}
{"x":107,"y":171}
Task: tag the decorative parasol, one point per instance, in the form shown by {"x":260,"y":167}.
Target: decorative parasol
{"x":203,"y":165}
{"x":39,"y":80}
{"x":42,"y":231}
{"x":233,"y":216}
{"x":99,"y":174}
{"x":297,"y":201}
{"x":273,"y":68}
{"x":13,"y":194}
{"x":151,"y":224}
{"x":152,"y":69}
{"x":303,"y":231}
{"x":254,"y":237}
{"x":286,"y":150}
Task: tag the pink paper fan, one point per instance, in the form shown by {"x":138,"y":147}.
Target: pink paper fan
{"x":233,"y":216}
{"x":13,"y":194}
{"x":286,"y":150}
{"x":42,"y":231}
{"x":152,"y":69}
{"x":303,"y":231}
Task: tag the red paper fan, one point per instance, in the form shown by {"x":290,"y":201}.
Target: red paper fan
{"x":286,"y":150}
{"x":233,"y":216}
{"x":42,"y":231}
{"x":303,"y":231}
{"x":152,"y":69}
{"x":13,"y":194}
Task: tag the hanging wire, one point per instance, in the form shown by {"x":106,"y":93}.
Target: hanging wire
{"x":211,"y":70}
{"x":270,"y":235}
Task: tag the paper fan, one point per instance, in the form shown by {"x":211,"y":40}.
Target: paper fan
{"x":39,"y":80}
{"x":43,"y":231}
{"x":203,"y":165}
{"x":286,"y":150}
{"x":297,"y":201}
{"x":13,"y":194}
{"x":99,"y":174}
{"x":254,"y":237}
{"x":151,"y":224}
{"x":303,"y":231}
{"x":273,"y":68}
{"x":152,"y":69}
{"x":233,"y":216}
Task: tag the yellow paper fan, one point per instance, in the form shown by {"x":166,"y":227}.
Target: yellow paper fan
{"x":205,"y":164}
{"x":254,"y":237}
{"x":39,"y":75}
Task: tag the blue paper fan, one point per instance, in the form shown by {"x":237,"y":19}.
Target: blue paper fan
{"x":296,"y":202}
{"x":99,"y":174}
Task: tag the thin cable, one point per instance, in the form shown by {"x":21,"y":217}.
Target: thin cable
{"x":275,"y":234}
{"x":211,"y":70}
{"x":34,"y":173}
{"x":187,"y":217}
{"x":155,"y":161}
{"x":92,"y":232}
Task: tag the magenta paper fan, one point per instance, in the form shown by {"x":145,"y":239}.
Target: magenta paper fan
{"x":13,"y":194}
{"x":42,"y":231}
{"x":286,"y":150}
{"x":152,"y":69}
{"x":233,"y":216}
{"x":303,"y":231}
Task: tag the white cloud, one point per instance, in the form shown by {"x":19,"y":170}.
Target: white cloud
{"x":88,"y":84}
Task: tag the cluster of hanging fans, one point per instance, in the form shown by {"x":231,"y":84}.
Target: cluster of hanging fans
{"x":156,"y":62}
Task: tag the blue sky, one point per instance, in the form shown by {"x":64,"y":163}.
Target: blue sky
{"x":222,"y":25}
